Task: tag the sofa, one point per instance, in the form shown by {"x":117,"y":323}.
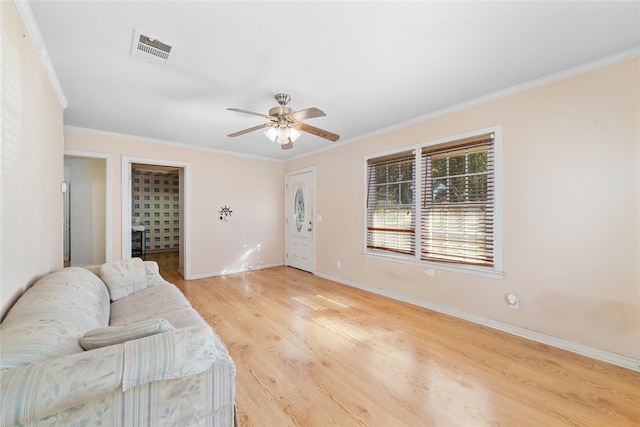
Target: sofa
{"x":112,"y":345}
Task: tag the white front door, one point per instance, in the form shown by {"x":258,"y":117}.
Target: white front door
{"x":299,"y":224}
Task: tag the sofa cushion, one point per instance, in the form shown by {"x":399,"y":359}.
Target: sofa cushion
{"x":151,"y":268}
{"x":123,"y":277}
{"x":103,"y":337}
{"x":51,"y":317}
{"x":159,"y":301}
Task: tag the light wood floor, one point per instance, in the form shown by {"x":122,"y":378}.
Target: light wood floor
{"x":312,"y":352}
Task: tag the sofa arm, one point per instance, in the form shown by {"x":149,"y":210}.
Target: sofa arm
{"x":40,"y":389}
{"x":174,"y":354}
{"x":152,"y":271}
{"x":44,"y":388}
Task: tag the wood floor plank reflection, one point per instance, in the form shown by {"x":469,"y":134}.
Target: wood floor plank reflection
{"x":311,"y":352}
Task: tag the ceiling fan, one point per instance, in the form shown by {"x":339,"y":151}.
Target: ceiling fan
{"x":284,"y":124}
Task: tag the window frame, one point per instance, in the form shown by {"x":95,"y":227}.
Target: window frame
{"x":495,"y":271}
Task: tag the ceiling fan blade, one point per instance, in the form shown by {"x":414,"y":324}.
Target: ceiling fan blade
{"x":238,"y":110}
{"x":287,"y":146}
{"x":242,"y":132}
{"x":307,"y":113}
{"x":316,"y":131}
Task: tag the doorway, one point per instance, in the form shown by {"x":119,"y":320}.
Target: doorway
{"x":299,"y":219}
{"x":87,"y":202}
{"x":173,"y":222}
{"x":156,"y":208}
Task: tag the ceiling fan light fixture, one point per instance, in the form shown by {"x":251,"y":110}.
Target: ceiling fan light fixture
{"x":284,"y":126}
{"x":294,"y":134}
{"x":271,"y":133}
{"x":282,"y":134}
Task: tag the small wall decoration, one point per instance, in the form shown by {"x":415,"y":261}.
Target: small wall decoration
{"x":225,"y":213}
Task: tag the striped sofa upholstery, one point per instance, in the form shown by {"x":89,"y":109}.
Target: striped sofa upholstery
{"x":180,"y":375}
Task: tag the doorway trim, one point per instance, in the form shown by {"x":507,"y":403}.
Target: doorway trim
{"x":185,"y":208}
{"x":108,"y":194}
{"x":287,"y":245}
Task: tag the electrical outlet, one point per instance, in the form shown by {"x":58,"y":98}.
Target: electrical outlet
{"x":339,"y":264}
{"x":513,"y":301}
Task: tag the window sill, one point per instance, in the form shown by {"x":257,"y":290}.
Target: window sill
{"x":431,"y":266}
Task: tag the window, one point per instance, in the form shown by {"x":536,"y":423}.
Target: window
{"x":457,"y":202}
{"x":391,"y":203}
{"x":438,"y":203}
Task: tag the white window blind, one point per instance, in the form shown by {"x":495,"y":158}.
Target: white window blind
{"x":458,"y":209}
{"x":391,"y":203}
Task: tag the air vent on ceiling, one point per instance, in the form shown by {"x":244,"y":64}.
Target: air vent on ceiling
{"x":149,"y":48}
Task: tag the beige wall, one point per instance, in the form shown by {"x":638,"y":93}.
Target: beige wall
{"x":31,"y":162}
{"x":571,"y":212}
{"x":253,"y":189}
{"x":571,"y":201}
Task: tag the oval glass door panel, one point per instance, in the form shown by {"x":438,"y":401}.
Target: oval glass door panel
{"x":298,"y":208}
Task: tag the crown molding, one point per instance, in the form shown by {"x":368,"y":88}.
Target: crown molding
{"x":25,"y":12}
{"x":532,"y":84}
{"x":165,"y":142}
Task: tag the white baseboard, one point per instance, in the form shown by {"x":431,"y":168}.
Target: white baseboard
{"x":233,"y":270}
{"x":594,"y":353}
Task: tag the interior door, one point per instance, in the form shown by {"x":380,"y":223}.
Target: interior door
{"x":299,"y":224}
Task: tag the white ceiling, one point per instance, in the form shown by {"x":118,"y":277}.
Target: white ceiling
{"x":369,"y":65}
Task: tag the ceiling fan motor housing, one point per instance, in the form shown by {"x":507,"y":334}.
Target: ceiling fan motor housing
{"x":280,"y":111}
